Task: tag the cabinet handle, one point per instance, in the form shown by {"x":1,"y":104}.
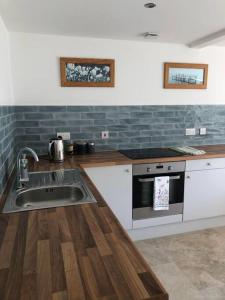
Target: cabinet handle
{"x":188,"y":177}
{"x":208,"y":164}
{"x":127,"y":170}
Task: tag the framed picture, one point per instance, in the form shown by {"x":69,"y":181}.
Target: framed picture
{"x":185,"y":76}
{"x":87,"y":72}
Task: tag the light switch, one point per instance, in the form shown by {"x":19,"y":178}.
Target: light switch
{"x":202,"y":131}
{"x":105,"y":135}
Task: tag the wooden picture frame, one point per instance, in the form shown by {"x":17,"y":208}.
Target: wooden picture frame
{"x":87,"y":72}
{"x":191,"y":76}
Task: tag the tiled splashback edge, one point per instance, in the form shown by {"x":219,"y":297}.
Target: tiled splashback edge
{"x":7,"y":143}
{"x":128,"y":126}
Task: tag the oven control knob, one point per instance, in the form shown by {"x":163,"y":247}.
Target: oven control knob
{"x":148,"y":170}
{"x":170,"y":168}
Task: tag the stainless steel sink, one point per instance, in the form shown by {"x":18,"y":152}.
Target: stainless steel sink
{"x":49,"y":189}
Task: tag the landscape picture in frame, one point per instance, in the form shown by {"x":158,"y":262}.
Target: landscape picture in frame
{"x":185,"y":76}
{"x":87,"y":72}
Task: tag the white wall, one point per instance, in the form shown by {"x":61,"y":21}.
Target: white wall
{"x":139,"y":71}
{"x":6,"y":95}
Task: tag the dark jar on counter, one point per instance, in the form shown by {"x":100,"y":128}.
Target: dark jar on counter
{"x":91,"y":147}
{"x":81,"y":147}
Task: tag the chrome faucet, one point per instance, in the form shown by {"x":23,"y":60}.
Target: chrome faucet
{"x":22,"y":165}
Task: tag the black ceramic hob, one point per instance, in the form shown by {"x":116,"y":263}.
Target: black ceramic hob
{"x":150,"y":153}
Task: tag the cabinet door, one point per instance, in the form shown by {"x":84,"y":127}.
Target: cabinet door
{"x":115,"y":185}
{"x":204,"y":194}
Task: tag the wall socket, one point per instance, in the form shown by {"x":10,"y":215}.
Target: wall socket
{"x":65,"y":135}
{"x":190,"y":131}
{"x":105,"y":135}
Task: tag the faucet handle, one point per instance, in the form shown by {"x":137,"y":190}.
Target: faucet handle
{"x":24,"y":161}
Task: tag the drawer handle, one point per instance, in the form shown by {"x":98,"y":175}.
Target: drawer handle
{"x":208,"y":164}
{"x":127,"y":170}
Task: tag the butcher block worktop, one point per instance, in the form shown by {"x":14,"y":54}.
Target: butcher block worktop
{"x":116,"y":158}
{"x":111,"y":158}
{"x":76,"y":252}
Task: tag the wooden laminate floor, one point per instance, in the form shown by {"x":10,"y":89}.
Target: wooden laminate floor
{"x":191,"y":266}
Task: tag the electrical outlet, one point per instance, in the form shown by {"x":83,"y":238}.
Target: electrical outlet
{"x":202,"y":131}
{"x":105,"y":135}
{"x":190,"y":131}
{"x":65,"y":135}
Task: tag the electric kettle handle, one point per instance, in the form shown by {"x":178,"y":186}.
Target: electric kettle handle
{"x":51,"y":143}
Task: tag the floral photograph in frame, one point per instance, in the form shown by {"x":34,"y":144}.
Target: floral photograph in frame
{"x":87,"y":72}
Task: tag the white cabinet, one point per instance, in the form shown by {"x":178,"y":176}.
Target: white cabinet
{"x":115,"y":185}
{"x":204,"y":194}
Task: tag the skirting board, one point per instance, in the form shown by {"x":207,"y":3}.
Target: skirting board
{"x":176,"y":228}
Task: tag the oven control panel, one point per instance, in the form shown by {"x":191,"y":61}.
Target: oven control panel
{"x":157,"y":168}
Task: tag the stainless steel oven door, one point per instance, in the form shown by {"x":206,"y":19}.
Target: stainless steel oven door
{"x":143,"y":196}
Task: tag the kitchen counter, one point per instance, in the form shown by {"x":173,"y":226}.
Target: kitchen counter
{"x":113,"y":158}
{"x":73,"y":252}
{"x":77,"y":252}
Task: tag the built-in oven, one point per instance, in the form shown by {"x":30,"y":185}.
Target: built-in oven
{"x":143,"y":189}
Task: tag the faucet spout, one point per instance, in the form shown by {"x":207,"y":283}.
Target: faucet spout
{"x":22,"y":165}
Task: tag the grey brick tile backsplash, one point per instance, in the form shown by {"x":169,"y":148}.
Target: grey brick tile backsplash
{"x":7,"y":143}
{"x":52,"y":108}
{"x":129,"y":127}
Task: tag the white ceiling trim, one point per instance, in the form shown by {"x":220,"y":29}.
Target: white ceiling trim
{"x":208,"y":40}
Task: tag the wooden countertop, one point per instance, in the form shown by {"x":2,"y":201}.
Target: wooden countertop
{"x":76,"y":252}
{"x":113,"y":158}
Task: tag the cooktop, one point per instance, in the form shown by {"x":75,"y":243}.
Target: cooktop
{"x":150,"y":153}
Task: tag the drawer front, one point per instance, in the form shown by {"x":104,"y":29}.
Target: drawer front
{"x":205,"y":164}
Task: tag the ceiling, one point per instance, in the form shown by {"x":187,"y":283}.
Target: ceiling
{"x":177,"y":21}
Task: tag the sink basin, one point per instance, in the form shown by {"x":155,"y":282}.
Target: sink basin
{"x":49,"y":189}
{"x":49,"y":196}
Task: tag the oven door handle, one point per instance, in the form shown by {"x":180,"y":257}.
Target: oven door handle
{"x":153,"y":179}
